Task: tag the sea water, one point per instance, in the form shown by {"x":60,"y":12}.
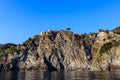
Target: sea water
{"x":70,"y":75}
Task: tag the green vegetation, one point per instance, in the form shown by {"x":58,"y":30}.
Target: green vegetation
{"x":36,"y":38}
{"x":1,"y":54}
{"x":7,"y":48}
{"x":109,"y":37}
{"x":116,"y":43}
{"x":13,"y":48}
{"x":116,"y":31}
{"x":86,"y":37}
{"x":68,"y":29}
{"x":101,"y":30}
{"x":107,"y":46}
{"x":106,"y":31}
{"x":27,"y":41}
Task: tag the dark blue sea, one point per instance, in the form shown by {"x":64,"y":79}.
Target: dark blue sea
{"x":72,"y":75}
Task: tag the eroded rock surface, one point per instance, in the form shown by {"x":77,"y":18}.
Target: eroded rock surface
{"x":63,"y":51}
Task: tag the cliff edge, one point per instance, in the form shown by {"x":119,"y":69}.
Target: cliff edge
{"x":64,"y":51}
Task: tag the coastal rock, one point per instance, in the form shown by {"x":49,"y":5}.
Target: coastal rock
{"x":63,"y":51}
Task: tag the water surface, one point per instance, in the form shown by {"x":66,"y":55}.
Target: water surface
{"x":42,"y":75}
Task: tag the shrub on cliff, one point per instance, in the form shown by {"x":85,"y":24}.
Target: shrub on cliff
{"x":27,"y":41}
{"x":7,"y":48}
{"x":68,"y":29}
{"x":116,"y":43}
{"x":107,"y":46}
{"x":1,"y":54}
{"x":117,"y":30}
{"x":101,"y":30}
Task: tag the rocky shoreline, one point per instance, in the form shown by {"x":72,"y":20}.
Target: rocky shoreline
{"x":64,"y":51}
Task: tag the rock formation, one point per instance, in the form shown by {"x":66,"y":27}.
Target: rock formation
{"x":64,"y":51}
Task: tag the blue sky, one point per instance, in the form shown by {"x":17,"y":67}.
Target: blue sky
{"x":21,"y":19}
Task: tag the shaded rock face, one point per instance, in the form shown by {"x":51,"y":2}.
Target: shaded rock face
{"x":63,"y":51}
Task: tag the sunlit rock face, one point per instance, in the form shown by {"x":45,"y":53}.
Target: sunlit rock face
{"x":63,"y":51}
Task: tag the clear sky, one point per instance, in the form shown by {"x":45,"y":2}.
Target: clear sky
{"x":21,"y":19}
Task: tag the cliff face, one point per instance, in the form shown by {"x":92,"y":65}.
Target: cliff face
{"x":63,"y":50}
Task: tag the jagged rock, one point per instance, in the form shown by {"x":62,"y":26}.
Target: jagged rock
{"x":63,"y":50}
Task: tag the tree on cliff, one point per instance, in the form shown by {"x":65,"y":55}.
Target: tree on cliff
{"x":68,"y":29}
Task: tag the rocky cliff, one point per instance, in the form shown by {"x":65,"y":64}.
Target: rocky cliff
{"x":64,"y":51}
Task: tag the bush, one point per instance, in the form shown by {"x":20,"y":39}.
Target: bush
{"x":27,"y":41}
{"x":13,"y":48}
{"x":1,"y":54}
{"x":107,"y":46}
{"x":117,"y":31}
{"x":107,"y":31}
{"x":116,"y":43}
{"x":68,"y":29}
{"x":101,"y":30}
{"x":6,"y":46}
